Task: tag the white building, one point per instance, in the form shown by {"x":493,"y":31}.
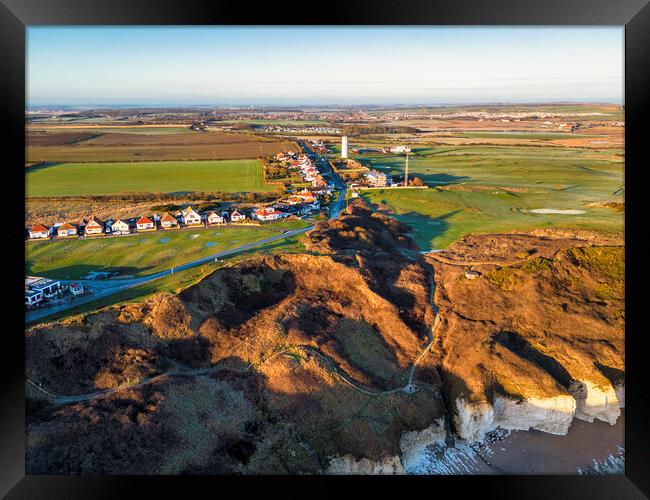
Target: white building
{"x":120,"y":227}
{"x":214,"y":218}
{"x":237,"y":216}
{"x":190,"y":217}
{"x":344,"y":146}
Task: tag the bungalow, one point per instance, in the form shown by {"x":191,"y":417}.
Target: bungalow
{"x":66,"y":230}
{"x":121,"y":227}
{"x":236,"y":216}
{"x":94,"y":226}
{"x":168,"y":221}
{"x":190,"y":217}
{"x":214,"y":218}
{"x":145,"y":224}
{"x":267,"y":214}
{"x":40,"y":231}
{"x":46,"y":286}
{"x":32,"y":297}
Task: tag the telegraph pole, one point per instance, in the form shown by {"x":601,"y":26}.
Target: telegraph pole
{"x":406,"y":173}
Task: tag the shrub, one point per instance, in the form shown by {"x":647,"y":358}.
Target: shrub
{"x":503,"y":277}
{"x":536,"y":265}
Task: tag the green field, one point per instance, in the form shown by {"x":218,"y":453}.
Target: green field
{"x":542,"y":178}
{"x":69,"y":179}
{"x":136,"y":255}
{"x":174,"y":283}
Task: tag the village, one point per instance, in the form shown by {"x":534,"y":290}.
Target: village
{"x":301,"y":203}
{"x":298,"y":204}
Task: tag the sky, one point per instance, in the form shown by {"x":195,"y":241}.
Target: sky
{"x":226,"y":66}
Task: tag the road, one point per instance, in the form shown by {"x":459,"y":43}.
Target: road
{"x":104,"y":288}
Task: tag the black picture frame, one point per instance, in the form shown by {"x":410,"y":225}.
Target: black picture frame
{"x":15,"y":15}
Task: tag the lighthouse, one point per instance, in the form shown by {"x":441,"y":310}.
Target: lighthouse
{"x":344,"y":146}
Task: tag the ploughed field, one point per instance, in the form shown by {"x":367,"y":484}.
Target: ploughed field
{"x":137,"y":254}
{"x":72,"y":179}
{"x":137,"y":144}
{"x":493,"y":189}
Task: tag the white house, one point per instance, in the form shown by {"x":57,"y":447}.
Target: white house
{"x":33,"y":297}
{"x":94,"y":226}
{"x":168,"y":221}
{"x":190,"y":217}
{"x":145,"y":224}
{"x":267,"y":214}
{"x":40,"y":231}
{"x":66,"y":230}
{"x":48,"y":287}
{"x":236,"y":216}
{"x":214,"y":218}
{"x":120,"y":227}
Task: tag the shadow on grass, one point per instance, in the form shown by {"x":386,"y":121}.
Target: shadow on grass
{"x":42,"y":166}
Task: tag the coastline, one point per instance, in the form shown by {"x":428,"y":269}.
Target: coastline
{"x":587,"y":448}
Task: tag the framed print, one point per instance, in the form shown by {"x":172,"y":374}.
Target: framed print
{"x":387,"y":243}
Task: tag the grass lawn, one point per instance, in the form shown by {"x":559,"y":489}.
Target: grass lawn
{"x":439,"y":217}
{"x":174,"y":283}
{"x":139,"y":254}
{"x":69,"y":179}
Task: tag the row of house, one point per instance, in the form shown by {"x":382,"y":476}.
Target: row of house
{"x":95,"y":226}
{"x":308,"y":170}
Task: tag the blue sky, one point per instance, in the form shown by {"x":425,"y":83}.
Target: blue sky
{"x":321,"y":65}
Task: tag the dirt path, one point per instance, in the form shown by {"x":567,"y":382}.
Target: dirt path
{"x":180,"y":371}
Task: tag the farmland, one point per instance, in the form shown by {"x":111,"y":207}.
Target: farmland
{"x":490,"y":189}
{"x":135,"y":255}
{"x":69,"y":179}
{"x":145,"y":144}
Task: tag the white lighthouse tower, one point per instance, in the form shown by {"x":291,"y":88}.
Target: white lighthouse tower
{"x":344,"y":146}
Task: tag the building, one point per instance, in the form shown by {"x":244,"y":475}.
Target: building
{"x":94,"y":226}
{"x":236,"y":216}
{"x":32,"y":297}
{"x":145,"y":224}
{"x":378,"y":179}
{"x":472,"y":275}
{"x":212,"y":218}
{"x":344,"y":146}
{"x":48,"y":287}
{"x":168,"y":221}
{"x":76,"y":288}
{"x":267,"y":214}
{"x":40,"y":231}
{"x":66,"y":230}
{"x":120,"y":227}
{"x":190,"y":217}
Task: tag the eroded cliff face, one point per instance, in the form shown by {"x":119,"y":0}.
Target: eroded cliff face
{"x":534,"y":342}
{"x":537,"y":339}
